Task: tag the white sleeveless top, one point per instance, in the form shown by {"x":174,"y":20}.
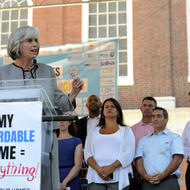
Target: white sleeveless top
{"x":108,"y":153}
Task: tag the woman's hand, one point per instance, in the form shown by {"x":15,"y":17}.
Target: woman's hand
{"x":63,"y":185}
{"x":104,"y":172}
{"x":101,"y":173}
{"x":77,"y":85}
{"x":108,"y":170}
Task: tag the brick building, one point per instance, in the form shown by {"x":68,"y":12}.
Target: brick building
{"x":153,"y":40}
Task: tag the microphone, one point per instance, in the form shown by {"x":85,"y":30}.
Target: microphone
{"x":34,"y":67}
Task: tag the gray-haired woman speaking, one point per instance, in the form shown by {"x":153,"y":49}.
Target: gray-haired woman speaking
{"x":23,"y":48}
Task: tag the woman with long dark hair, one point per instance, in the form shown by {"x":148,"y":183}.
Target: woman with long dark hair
{"x":109,"y":150}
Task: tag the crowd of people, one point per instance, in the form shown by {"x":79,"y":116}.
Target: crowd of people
{"x":159,"y":152}
{"x":144,"y":156}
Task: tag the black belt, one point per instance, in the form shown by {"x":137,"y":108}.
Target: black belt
{"x":171,"y":176}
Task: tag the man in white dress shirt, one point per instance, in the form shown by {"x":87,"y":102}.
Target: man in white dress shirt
{"x":87,"y":123}
{"x":84,"y":125}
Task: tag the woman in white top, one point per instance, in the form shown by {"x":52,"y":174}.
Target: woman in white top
{"x":109,"y":150}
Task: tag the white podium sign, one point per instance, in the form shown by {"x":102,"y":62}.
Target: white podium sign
{"x":20,"y":145}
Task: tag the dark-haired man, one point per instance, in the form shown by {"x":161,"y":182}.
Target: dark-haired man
{"x":141,"y":129}
{"x":159,"y":155}
{"x":144,"y":127}
{"x":85,"y":124}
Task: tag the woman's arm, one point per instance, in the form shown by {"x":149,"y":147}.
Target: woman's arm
{"x":76,"y":168}
{"x":88,"y":154}
{"x":87,"y":148}
{"x":127,"y":151}
{"x":126,"y":154}
{"x":99,"y":170}
{"x":110,"y":168}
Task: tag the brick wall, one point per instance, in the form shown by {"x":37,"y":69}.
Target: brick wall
{"x":160,"y":52}
{"x":58,"y":25}
{"x":179,"y":50}
{"x":159,"y":46}
{"x":72,"y":24}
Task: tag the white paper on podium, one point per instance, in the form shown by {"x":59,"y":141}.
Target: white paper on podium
{"x":20,"y":145}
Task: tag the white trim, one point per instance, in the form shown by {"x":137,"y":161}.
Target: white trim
{"x":122,"y":80}
{"x":85,"y":21}
{"x":30,"y":13}
{"x":29,"y":18}
{"x":167,"y":102}
{"x":188,"y":35}
{"x":129,"y":80}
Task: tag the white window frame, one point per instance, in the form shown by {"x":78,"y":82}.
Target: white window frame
{"x":122,"y":80}
{"x":30,"y":16}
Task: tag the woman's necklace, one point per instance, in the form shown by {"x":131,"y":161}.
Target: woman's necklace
{"x":109,"y":130}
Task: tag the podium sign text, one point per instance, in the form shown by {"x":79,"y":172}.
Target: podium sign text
{"x":20,"y":145}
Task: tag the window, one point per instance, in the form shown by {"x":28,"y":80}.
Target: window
{"x":111,"y":20}
{"x":13,"y":18}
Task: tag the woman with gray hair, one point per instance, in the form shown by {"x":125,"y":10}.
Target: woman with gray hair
{"x":23,"y":48}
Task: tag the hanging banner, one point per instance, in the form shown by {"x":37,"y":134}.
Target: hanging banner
{"x":20,"y":145}
{"x":94,"y":62}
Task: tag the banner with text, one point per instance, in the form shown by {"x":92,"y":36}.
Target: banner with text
{"x":20,"y":150}
{"x":94,"y":62}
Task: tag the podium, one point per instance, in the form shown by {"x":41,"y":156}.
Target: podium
{"x":41,"y":91}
